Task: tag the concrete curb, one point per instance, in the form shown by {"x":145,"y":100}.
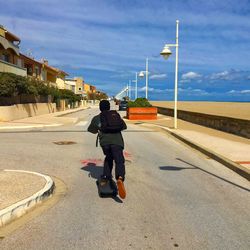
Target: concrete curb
{"x":31,"y":126}
{"x":244,"y":172}
{"x":72,"y":111}
{"x":20,"y":208}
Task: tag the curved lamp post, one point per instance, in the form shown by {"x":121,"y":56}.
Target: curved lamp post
{"x":166,"y":52}
{"x":136,"y":82}
{"x":141,"y":75}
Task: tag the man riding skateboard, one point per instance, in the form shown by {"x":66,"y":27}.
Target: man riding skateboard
{"x":108,"y":124}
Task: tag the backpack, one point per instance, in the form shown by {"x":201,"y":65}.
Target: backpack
{"x":111,"y":122}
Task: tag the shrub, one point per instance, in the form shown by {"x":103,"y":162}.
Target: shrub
{"x":139,"y":102}
{"x":7,"y":84}
{"x":68,"y":94}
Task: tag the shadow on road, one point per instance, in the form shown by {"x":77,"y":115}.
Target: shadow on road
{"x":95,"y":172}
{"x":174,"y":168}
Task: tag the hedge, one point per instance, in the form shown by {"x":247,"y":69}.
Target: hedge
{"x":12,"y":85}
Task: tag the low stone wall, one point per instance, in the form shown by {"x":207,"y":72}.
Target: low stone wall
{"x":19,"y":111}
{"x":227,"y":124}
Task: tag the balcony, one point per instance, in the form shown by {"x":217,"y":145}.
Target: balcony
{"x":12,"y":68}
{"x":8,"y":45}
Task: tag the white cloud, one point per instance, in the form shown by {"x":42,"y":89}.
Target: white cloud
{"x":152,"y":90}
{"x":230,"y":75}
{"x":246,"y":91}
{"x":190,"y":76}
{"x":158,"y":76}
{"x":225,"y":75}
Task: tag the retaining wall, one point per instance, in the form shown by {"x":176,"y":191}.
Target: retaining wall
{"x":227,"y":124}
{"x":19,"y":111}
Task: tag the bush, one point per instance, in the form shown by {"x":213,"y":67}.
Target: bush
{"x":68,"y":94}
{"x":7,"y":84}
{"x":139,"y":102}
{"x":13,"y":85}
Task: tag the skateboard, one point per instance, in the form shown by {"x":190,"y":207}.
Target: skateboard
{"x":107,"y":190}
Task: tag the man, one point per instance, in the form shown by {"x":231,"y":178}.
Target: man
{"x":112,"y":145}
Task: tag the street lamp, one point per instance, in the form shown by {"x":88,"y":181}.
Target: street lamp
{"x":141,"y":75}
{"x":166,"y":52}
{"x":129,"y":89}
{"x":136,"y":82}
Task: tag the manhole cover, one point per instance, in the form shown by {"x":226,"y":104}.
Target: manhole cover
{"x":64,"y":142}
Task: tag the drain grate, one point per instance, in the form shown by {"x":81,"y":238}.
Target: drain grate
{"x":64,"y":142}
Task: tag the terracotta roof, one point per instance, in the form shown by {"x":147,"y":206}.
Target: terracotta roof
{"x":29,"y":58}
{"x":59,"y":70}
{"x":14,"y":37}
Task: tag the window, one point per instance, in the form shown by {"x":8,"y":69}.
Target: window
{"x":36,"y":71}
{"x":6,"y":57}
{"x":19,"y":62}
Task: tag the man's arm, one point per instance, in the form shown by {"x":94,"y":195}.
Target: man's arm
{"x":124,"y":125}
{"x":93,"y":126}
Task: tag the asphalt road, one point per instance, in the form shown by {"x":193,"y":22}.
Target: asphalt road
{"x":176,"y":198}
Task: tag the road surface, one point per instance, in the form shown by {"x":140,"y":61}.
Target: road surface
{"x":176,"y":197}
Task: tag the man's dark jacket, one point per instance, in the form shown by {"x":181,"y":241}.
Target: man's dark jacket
{"x":106,"y":138}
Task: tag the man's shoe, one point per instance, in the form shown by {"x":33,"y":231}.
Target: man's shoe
{"x":121,"y":188}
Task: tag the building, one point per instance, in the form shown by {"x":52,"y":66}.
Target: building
{"x":33,"y":67}
{"x":92,"y":89}
{"x":10,"y":60}
{"x":53,"y":75}
{"x":76,"y":85}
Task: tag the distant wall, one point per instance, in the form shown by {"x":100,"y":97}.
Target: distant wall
{"x":19,"y":111}
{"x":227,"y":124}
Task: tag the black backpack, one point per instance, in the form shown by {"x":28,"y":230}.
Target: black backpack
{"x":111,"y":122}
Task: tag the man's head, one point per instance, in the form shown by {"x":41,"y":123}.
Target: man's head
{"x":104,"y":105}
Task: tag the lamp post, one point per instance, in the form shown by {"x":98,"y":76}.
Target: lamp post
{"x":136,"y":82}
{"x":166,"y":52}
{"x":129,"y":89}
{"x":141,"y":74}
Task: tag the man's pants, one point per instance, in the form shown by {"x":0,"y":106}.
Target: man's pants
{"x":113,"y":153}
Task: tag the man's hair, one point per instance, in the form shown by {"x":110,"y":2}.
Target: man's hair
{"x":104,"y":105}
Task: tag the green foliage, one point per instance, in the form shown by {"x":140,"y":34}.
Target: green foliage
{"x":14,"y":85}
{"x":97,"y":96}
{"x":7,"y":84}
{"x":69,"y":95}
{"x":139,"y":102}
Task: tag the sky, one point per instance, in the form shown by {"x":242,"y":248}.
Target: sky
{"x":107,"y":42}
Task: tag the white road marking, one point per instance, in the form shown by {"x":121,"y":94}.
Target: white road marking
{"x":82,"y":123}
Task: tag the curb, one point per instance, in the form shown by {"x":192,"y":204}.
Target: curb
{"x":32,"y":126}
{"x":22,"y":207}
{"x":215,"y":156}
{"x":72,"y":111}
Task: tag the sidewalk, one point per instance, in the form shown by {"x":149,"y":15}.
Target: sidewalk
{"x":41,"y":121}
{"x":21,"y":190}
{"x":230,"y":150}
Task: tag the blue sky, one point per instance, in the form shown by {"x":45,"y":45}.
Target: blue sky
{"x":107,"y":41}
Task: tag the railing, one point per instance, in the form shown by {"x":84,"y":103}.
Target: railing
{"x":12,"y":68}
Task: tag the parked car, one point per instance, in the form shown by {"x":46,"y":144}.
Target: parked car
{"x":123,"y":105}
